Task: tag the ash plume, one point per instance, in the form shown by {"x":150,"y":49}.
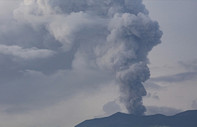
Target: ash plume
{"x":112,"y":35}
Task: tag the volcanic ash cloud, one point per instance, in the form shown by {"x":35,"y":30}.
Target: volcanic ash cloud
{"x":112,"y":35}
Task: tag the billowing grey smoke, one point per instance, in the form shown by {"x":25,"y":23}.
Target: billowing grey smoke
{"x":131,"y":38}
{"x":112,"y":35}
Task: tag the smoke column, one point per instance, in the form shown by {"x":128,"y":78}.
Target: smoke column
{"x":114,"y":35}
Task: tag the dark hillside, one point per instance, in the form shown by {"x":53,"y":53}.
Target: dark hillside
{"x":184,"y":119}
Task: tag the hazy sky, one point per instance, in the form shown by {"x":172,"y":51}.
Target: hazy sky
{"x":41,"y":87}
{"x":173,"y":63}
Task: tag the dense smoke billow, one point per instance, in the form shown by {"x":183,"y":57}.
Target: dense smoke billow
{"x":110,"y":35}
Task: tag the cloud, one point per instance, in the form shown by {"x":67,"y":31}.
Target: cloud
{"x":111,"y":108}
{"x":151,"y":110}
{"x":152,"y":85}
{"x":189,"y":65}
{"x":31,"y":53}
{"x":34,"y":90}
{"x":51,"y":50}
{"x":112,"y":35}
{"x":181,"y":77}
{"x":153,"y":95}
{"x":190,"y":74}
{"x":47,"y":56}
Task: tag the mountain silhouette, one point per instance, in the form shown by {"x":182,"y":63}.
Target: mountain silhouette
{"x":184,"y":119}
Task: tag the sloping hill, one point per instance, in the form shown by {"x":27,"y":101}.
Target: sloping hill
{"x":184,"y":119}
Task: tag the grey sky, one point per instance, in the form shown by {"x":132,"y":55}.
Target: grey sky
{"x":172,"y":63}
{"x":38,"y":84}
